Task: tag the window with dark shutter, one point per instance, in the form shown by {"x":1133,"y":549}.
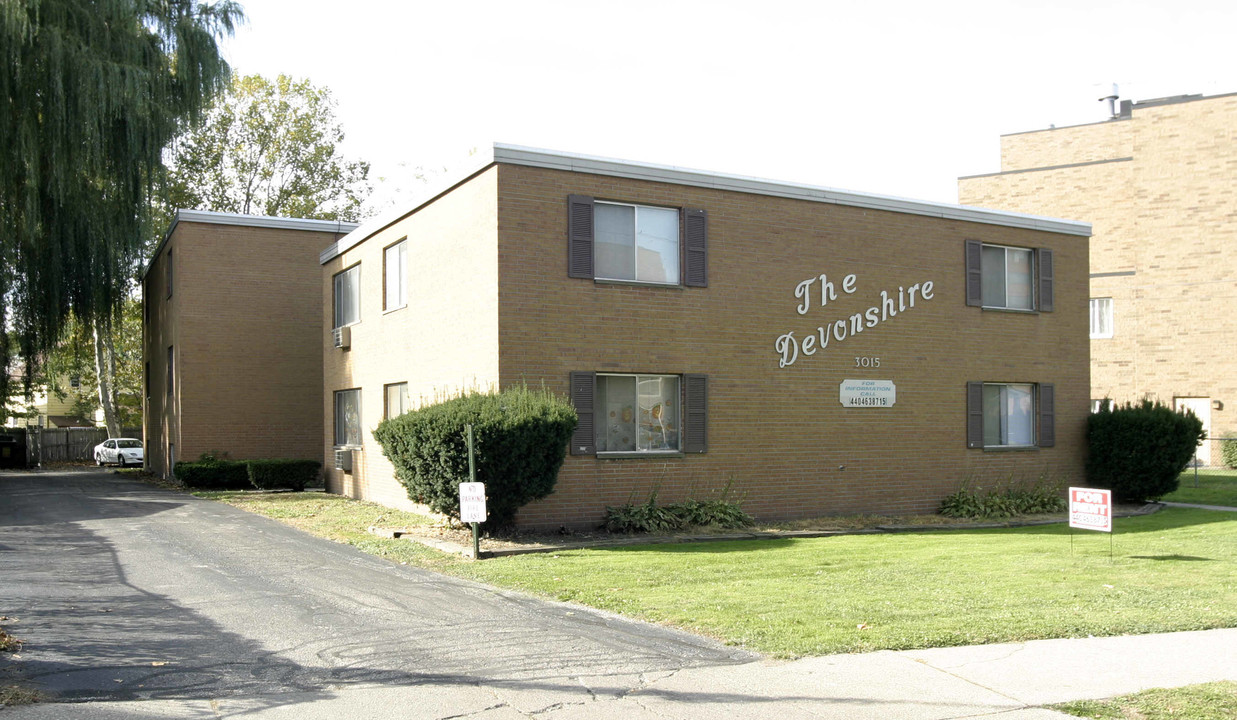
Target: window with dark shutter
{"x":974,"y":273}
{"x":584,"y":439}
{"x":1047,"y":416}
{"x":579,"y":236}
{"x":1044,"y":260}
{"x":696,"y":415}
{"x":695,"y":248}
{"x":975,"y":415}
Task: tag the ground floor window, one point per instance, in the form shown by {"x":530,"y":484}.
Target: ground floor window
{"x":348,"y":417}
{"x":637,"y":413}
{"x":1009,"y":414}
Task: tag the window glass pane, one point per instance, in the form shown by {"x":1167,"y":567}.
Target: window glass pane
{"x":1101,"y":317}
{"x":1009,"y":415}
{"x":615,"y":413}
{"x":1018,"y":279}
{"x":614,"y":243}
{"x":397,"y":400}
{"x":993,"y":267}
{"x":348,"y":297}
{"x":992,"y":415}
{"x":395,"y":263}
{"x":348,"y":417}
{"x":659,"y":427}
{"x":657,"y":240}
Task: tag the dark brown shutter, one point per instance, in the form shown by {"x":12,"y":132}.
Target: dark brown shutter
{"x":1047,"y":416}
{"x":975,"y":415}
{"x":695,"y":413}
{"x":695,"y":248}
{"x":579,"y":236}
{"x":974,"y":273}
{"x":1044,"y":260}
{"x":584,"y":439}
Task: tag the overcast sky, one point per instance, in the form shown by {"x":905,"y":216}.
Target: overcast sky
{"x":897,"y":98}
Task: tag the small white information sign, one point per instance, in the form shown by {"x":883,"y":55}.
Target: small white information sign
{"x":867,"y":393}
{"x":472,"y":502}
{"x":1090,"y":509}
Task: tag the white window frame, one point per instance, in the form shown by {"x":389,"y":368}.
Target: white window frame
{"x":1031,"y":279}
{"x":678,"y":414}
{"x":336,"y":281}
{"x":635,"y":243}
{"x":404,"y":403}
{"x":395,"y":289}
{"x":341,"y":440}
{"x":1102,"y":318}
{"x":1033,"y":391}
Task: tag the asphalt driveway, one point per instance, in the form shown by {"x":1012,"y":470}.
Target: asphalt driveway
{"x":123,"y":591}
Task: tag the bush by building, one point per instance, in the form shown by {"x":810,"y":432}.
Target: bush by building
{"x":1228,"y":452}
{"x":520,"y":438}
{"x":290,"y":474}
{"x":213,"y":472}
{"x":1139,"y":450}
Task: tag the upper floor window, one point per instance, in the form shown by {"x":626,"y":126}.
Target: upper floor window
{"x":1101,"y":317}
{"x":395,"y":260}
{"x":348,"y":296}
{"x":636,"y":243}
{"x":1009,"y":278}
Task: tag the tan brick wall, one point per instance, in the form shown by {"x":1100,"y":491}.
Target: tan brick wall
{"x":781,"y":433}
{"x":444,"y":341}
{"x":245,"y":323}
{"x":1169,"y":217}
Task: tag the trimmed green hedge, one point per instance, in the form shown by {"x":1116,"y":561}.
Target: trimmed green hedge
{"x":520,"y":438}
{"x":291,"y":474}
{"x":1228,"y":452}
{"x":1139,"y":451}
{"x":214,"y":474}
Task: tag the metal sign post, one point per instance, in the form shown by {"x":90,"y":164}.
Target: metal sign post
{"x":472,"y":500}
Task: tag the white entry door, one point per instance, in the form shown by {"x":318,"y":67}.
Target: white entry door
{"x":1202,"y":410}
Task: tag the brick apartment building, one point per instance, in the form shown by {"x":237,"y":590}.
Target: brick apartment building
{"x":232,"y":321}
{"x":828,"y":351}
{"x":1158,"y":182}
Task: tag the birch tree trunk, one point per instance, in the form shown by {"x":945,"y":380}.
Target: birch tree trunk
{"x":105,"y":369}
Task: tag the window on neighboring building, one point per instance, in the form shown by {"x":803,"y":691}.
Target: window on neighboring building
{"x":348,"y":417}
{"x":1101,"y":317}
{"x":636,"y":243}
{"x":1101,"y":405}
{"x":1010,"y":415}
{"x":1008,"y":278}
{"x":348,"y":296}
{"x":397,"y":400}
{"x":168,"y":271}
{"x":395,"y":258}
{"x":170,"y":375}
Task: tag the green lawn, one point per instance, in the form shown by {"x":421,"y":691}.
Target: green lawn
{"x":1215,"y":487}
{"x":1194,"y":702}
{"x":1174,"y":570}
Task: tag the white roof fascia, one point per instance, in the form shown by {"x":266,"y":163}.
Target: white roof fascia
{"x":554,"y":160}
{"x":260,"y":221}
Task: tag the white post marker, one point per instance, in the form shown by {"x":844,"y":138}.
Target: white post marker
{"x":472,"y":502}
{"x":1090,"y":509}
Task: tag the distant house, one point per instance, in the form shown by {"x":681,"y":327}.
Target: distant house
{"x":232,"y":331}
{"x":46,"y":408}
{"x":1158,"y":183}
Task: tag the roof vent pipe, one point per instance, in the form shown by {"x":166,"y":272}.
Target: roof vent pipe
{"x":1112,"y":101}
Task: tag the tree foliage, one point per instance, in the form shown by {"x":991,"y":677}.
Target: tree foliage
{"x":269,"y":148}
{"x":93,"y":91}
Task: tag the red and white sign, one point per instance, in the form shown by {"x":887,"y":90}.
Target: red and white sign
{"x":1090,"y":509}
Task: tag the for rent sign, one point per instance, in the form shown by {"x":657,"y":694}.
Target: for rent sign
{"x":1090,"y":509}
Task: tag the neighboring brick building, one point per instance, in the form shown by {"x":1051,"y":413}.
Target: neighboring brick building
{"x":233,"y":363}
{"x":1159,"y":184}
{"x":709,"y":327}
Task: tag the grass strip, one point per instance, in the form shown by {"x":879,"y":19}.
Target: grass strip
{"x":1193,"y":702}
{"x":1171,"y":571}
{"x":1214,"y":487}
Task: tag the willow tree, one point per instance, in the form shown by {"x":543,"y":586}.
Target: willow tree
{"x":93,"y":91}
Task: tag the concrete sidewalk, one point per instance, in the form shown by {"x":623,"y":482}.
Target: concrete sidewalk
{"x":1009,"y":681}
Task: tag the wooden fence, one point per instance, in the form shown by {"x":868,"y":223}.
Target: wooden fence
{"x":50,"y":445}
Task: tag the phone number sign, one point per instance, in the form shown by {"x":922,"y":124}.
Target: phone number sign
{"x":867,"y":393}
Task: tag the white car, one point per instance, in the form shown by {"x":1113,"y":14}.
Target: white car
{"x":122,"y":451}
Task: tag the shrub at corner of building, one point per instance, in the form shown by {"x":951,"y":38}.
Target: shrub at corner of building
{"x":214,"y":472}
{"x":1139,"y":450}
{"x":291,"y":474}
{"x":520,"y":440}
{"x":1228,"y":452}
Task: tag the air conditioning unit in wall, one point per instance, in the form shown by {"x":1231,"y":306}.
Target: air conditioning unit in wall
{"x":343,"y":460}
{"x":342,"y":337}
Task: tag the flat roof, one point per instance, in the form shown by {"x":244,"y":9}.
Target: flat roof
{"x":339,"y":227}
{"x":502,"y":153}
